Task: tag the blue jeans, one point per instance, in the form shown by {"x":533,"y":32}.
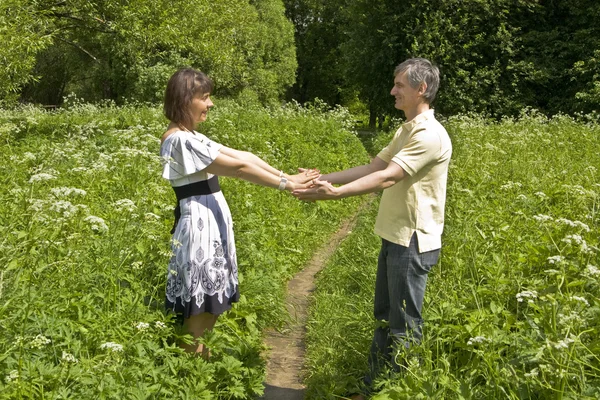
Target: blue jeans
{"x":399,"y":291}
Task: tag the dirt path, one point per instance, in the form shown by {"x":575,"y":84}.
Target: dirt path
{"x":285,"y":373}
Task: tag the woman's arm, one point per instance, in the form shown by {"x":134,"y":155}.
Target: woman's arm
{"x":225,"y":165}
{"x":305,"y":176}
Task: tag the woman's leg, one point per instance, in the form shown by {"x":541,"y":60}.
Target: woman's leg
{"x":196,"y":325}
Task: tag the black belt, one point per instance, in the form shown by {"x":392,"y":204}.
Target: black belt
{"x":194,"y":189}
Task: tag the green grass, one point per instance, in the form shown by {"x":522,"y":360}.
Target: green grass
{"x":85,"y":220}
{"x":512,"y":309}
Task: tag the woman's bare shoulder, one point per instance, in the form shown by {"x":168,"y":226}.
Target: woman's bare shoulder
{"x":169,"y":133}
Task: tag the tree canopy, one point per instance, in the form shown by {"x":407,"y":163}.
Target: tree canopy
{"x":495,"y":56}
{"x":127,"y":49}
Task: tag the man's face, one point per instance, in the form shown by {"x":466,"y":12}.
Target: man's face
{"x":406,"y":96}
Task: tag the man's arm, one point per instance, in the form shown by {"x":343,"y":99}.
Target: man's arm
{"x":373,"y":182}
{"x":352,"y":174}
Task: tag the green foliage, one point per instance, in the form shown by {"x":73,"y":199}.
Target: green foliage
{"x":495,"y":57}
{"x":127,"y":50}
{"x":512,"y":309}
{"x":475,"y":43}
{"x":85,"y":218}
{"x":22,"y":36}
{"x":320,"y":27}
{"x":562,"y":40}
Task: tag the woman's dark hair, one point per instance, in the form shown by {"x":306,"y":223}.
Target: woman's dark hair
{"x":181,"y":88}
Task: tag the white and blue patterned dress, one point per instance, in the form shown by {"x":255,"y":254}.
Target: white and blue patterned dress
{"x":202,"y":274}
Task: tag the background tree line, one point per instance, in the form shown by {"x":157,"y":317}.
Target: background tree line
{"x":496,"y":56}
{"x":127,"y":49}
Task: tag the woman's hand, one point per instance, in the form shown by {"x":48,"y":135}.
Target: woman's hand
{"x":318,"y":190}
{"x":291,"y":185}
{"x":305,"y":176}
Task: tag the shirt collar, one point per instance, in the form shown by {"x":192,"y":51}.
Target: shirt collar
{"x":424,"y":116}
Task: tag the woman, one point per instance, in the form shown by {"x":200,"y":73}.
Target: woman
{"x":202,"y":281}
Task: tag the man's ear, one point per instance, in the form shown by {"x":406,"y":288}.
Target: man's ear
{"x":422,"y":88}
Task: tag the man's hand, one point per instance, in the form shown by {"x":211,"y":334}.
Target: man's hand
{"x":320,"y":190}
{"x":305,"y":176}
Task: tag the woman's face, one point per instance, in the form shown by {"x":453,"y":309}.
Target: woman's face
{"x":201,"y":103}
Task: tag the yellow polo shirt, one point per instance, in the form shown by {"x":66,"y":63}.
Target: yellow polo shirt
{"x":422,"y":148}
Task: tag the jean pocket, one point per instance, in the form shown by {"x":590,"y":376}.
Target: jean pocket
{"x":429,"y":258}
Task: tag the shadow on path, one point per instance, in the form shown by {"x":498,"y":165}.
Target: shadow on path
{"x":275,"y":392}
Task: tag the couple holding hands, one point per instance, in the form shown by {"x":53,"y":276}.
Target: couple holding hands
{"x":202,"y":279}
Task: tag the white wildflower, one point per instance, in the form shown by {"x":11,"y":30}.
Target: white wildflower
{"x":67,"y":191}
{"x":528,"y":295}
{"x":136,"y":265}
{"x":477,"y":339}
{"x":79,"y":169}
{"x":521,"y":197}
{"x":151,"y":216}
{"x":511,"y":185}
{"x":532,"y":374}
{"x":64,"y":207}
{"x":41,"y":177}
{"x":12,"y":376}
{"x":99,"y":166}
{"x":39,"y":341}
{"x":571,"y":319}
{"x":160,"y":325}
{"x":592,"y":270}
{"x":563,"y":344}
{"x":115,"y":347}
{"x":542,"y":218}
{"x":28,"y":156}
{"x":97,"y":224}
{"x":19,"y":340}
{"x":570,"y":239}
{"x":552,"y":271}
{"x":36,"y":205}
{"x":68,"y":357}
{"x":555,"y":259}
{"x":573,"y":224}
{"x":142,"y":326}
{"x":167,"y":207}
{"x":580,"y":299}
{"x":541,"y":195}
{"x":577,"y":189}
{"x":166,"y":253}
{"x":125,"y":205}
{"x":173,"y":272}
{"x":176,"y":243}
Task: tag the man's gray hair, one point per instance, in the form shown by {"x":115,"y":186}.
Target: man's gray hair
{"x":420,"y":70}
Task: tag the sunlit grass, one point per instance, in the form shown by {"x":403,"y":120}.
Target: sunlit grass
{"x":512,"y":309}
{"x":84,"y":243}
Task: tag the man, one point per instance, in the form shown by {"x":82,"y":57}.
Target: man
{"x":412,"y":172}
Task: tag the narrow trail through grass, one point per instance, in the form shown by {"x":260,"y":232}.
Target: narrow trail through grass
{"x":286,"y":348}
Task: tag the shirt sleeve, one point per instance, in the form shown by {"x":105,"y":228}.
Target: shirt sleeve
{"x":386,"y":153}
{"x":421,"y":149}
{"x":184,"y":155}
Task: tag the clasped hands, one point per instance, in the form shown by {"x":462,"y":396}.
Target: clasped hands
{"x":309,"y":187}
